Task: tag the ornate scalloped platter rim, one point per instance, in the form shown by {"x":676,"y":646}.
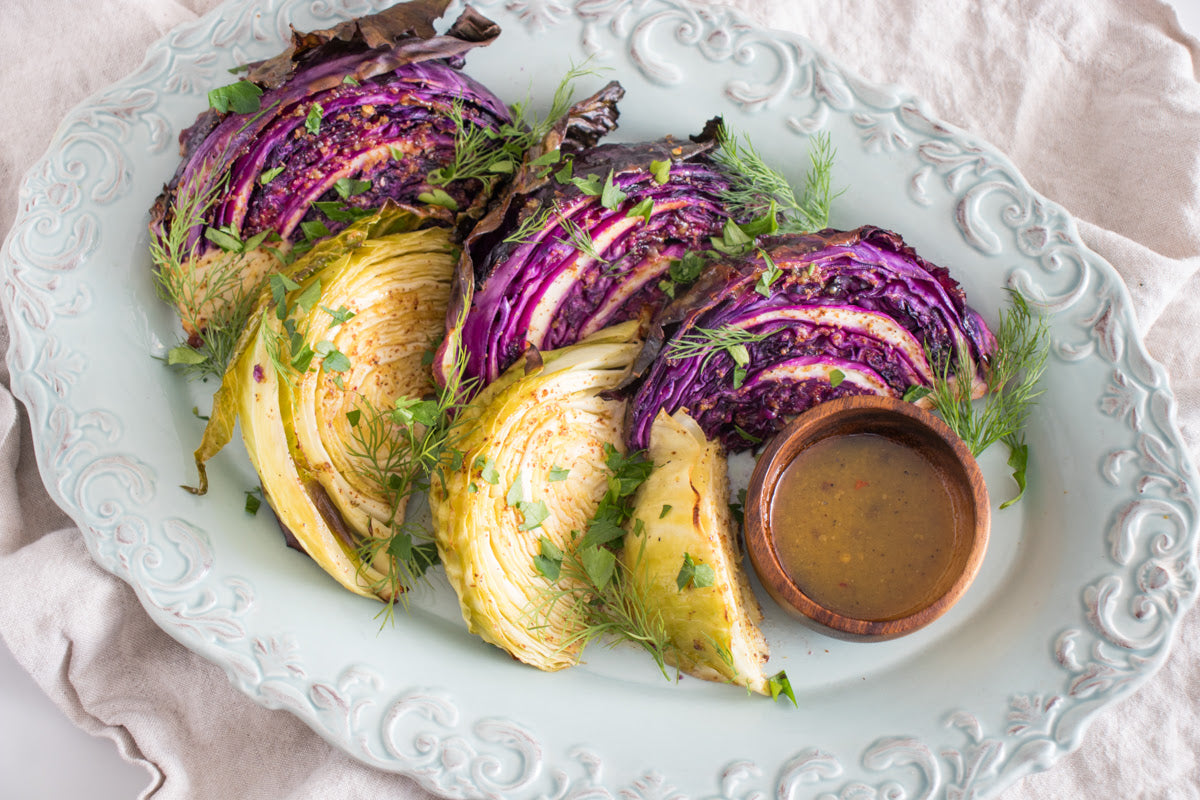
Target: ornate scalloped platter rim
{"x":1057,"y":627}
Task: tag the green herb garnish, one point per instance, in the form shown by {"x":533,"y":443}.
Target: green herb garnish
{"x":531,"y":226}
{"x":337,"y":211}
{"x":214,"y":309}
{"x":332,"y":359}
{"x":592,"y":185}
{"x":747,"y":435}
{"x":548,"y":562}
{"x":438,"y":197}
{"x":581,"y":239}
{"x":402,"y":449}
{"x":185,"y":355}
{"x":533,"y":512}
{"x":225,"y":238}
{"x":778,"y":684}
{"x":769,"y":276}
{"x":312,"y":121}
{"x":254,"y":498}
{"x":733,"y":241}
{"x":695,"y":575}
{"x":314,"y":229}
{"x":689,"y":268}
{"x":351,"y":187}
{"x":610,"y":195}
{"x":704,"y":343}
{"x":1017,"y":365}
{"x":307,"y":300}
{"x":644,"y":208}
{"x":483,"y":153}
{"x":661,"y":170}
{"x":1018,"y":461}
{"x":338,"y":316}
{"x":240,"y":98}
{"x":758,"y":190}
{"x":269,"y":175}
{"x":738,"y":508}
{"x":591,"y":577}
{"x":566,"y":172}
{"x":487,"y":470}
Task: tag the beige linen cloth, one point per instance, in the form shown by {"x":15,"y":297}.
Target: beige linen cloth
{"x":1097,"y":102}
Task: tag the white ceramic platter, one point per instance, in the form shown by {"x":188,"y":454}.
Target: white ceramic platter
{"x":1080,"y":593}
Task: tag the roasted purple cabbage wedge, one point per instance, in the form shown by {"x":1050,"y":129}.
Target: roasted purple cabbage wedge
{"x":588,"y":235}
{"x":799,"y":320}
{"x":342,"y":121}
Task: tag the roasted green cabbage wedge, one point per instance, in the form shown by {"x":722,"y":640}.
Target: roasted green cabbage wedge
{"x":533,"y":467}
{"x":320,"y":367}
{"x":681,"y":517}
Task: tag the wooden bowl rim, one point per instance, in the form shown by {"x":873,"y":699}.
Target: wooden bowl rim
{"x":779,"y":453}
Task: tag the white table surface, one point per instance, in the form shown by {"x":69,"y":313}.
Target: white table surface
{"x":44,"y":756}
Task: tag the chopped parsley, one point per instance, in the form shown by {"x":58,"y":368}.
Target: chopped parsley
{"x":240,"y":98}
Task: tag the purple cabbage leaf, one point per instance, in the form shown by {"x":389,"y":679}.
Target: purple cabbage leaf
{"x":588,"y":235}
{"x":843,"y":313}
{"x":342,"y":121}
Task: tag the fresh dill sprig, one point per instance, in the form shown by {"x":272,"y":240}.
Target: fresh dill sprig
{"x":1022,"y":347}
{"x":531,"y":226}
{"x":757,"y":189}
{"x":486,"y":154}
{"x":619,"y":609}
{"x":700,"y":342}
{"x":574,"y":233}
{"x":480,"y":152}
{"x":818,"y":197}
{"x":1017,"y":365}
{"x":215,"y":308}
{"x":395,"y":449}
{"x":564,"y":97}
{"x":581,"y":239}
{"x":403,"y":449}
{"x":593,"y":583}
{"x":217,"y":340}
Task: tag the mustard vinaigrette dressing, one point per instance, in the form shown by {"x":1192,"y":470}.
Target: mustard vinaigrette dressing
{"x":865,"y":526}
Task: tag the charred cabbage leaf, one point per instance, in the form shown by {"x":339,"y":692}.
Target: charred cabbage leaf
{"x":309,"y":141}
{"x":334,"y":351}
{"x":532,"y":471}
{"x":587,"y":236}
{"x":799,"y":320}
{"x":683,"y":557}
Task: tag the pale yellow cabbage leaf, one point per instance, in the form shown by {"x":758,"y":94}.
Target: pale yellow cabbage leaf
{"x":683,"y":508}
{"x":543,"y":416}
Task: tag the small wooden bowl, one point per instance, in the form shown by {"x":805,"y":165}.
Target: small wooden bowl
{"x":904,"y":424}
